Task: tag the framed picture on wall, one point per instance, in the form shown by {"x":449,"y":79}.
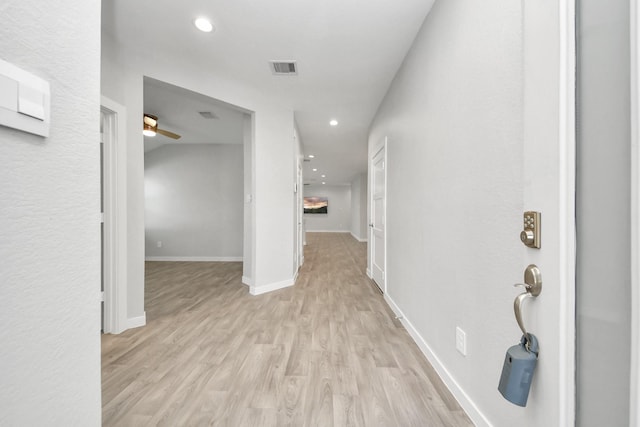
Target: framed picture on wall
{"x":316,"y":205}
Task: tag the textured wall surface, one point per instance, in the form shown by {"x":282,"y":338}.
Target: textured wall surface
{"x":193,"y":201}
{"x":49,"y":222}
{"x":339,"y":216}
{"x":454,"y":121}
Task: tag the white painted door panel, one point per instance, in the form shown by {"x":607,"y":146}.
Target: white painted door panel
{"x":377,"y":224}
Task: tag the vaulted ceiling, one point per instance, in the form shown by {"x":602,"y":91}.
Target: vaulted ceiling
{"x":347,"y":53}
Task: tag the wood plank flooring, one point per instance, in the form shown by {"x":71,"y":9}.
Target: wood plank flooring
{"x":325,"y":352}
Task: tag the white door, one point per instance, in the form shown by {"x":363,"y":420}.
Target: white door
{"x":377,"y":223}
{"x":548,"y":170}
{"x":104,"y":246}
{"x":299,"y":211}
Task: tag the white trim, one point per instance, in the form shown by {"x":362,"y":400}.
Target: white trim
{"x":369,"y":273}
{"x":247,"y":281}
{"x":258,"y":290}
{"x":634,"y":393}
{"x":478,"y":418}
{"x":567,"y":215}
{"x":137,"y":322}
{"x":358,"y":238}
{"x":195,"y":258}
{"x":115,"y":216}
{"x":328,"y":231}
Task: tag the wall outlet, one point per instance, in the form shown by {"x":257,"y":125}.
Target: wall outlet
{"x":159,"y":243}
{"x":461,"y":341}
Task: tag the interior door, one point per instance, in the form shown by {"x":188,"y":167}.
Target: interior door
{"x":299,"y":213}
{"x":548,"y":170}
{"x":377,"y":223}
{"x":102,"y":230}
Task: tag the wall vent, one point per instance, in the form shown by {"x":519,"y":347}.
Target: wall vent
{"x":208,"y":115}
{"x":284,"y":68}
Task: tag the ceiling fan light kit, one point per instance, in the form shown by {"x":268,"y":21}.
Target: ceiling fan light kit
{"x":150,"y":127}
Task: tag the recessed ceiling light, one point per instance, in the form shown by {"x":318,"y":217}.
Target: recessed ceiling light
{"x":315,"y":169}
{"x":311,"y":156}
{"x":323,"y":182}
{"x":323,"y":176}
{"x":333,"y":122}
{"x":203,"y":24}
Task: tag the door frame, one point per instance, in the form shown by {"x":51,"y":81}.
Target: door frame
{"x":634,"y":393}
{"x":567,"y":134}
{"x":115,"y":216}
{"x":371,"y":188}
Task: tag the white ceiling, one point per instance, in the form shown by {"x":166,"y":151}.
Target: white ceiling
{"x":347,"y":52}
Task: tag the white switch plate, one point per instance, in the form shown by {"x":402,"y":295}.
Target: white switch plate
{"x":461,"y":341}
{"x":24,"y":100}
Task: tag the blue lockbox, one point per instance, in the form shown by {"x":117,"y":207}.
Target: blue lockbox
{"x":518,"y":369}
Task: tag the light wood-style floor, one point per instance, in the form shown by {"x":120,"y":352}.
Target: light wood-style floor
{"x":325,"y":352}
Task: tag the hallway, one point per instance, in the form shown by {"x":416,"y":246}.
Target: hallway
{"x":324,"y":352}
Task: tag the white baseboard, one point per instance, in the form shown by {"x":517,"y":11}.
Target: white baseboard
{"x":328,"y":231}
{"x":258,"y":290}
{"x":463,"y":398}
{"x":195,"y":258}
{"x":247,"y":281}
{"x":369,"y":273}
{"x":136,"y":322}
{"x":357,"y":238}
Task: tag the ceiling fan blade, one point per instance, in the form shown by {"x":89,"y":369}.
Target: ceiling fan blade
{"x":168,"y":134}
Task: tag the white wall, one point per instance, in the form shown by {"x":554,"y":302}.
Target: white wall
{"x":338,"y":218}
{"x":272,"y":153}
{"x":454,"y":121}
{"x":603,"y":222}
{"x":49,"y":223}
{"x":359,"y":227}
{"x":193,"y":202}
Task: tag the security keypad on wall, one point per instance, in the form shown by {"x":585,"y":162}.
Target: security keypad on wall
{"x":530,"y":236}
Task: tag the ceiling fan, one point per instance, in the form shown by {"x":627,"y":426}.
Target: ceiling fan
{"x":150,"y":127}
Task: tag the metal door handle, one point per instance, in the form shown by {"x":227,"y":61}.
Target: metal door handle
{"x":533,"y":285}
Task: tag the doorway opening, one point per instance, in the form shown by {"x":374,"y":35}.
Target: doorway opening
{"x":113,"y":205}
{"x":198,"y":179}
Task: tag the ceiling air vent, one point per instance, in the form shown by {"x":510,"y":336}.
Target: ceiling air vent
{"x":208,"y":115}
{"x":284,"y":68}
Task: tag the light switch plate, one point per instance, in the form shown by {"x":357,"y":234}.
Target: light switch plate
{"x":8,"y":93}
{"x":24,"y":100}
{"x":30,"y":102}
